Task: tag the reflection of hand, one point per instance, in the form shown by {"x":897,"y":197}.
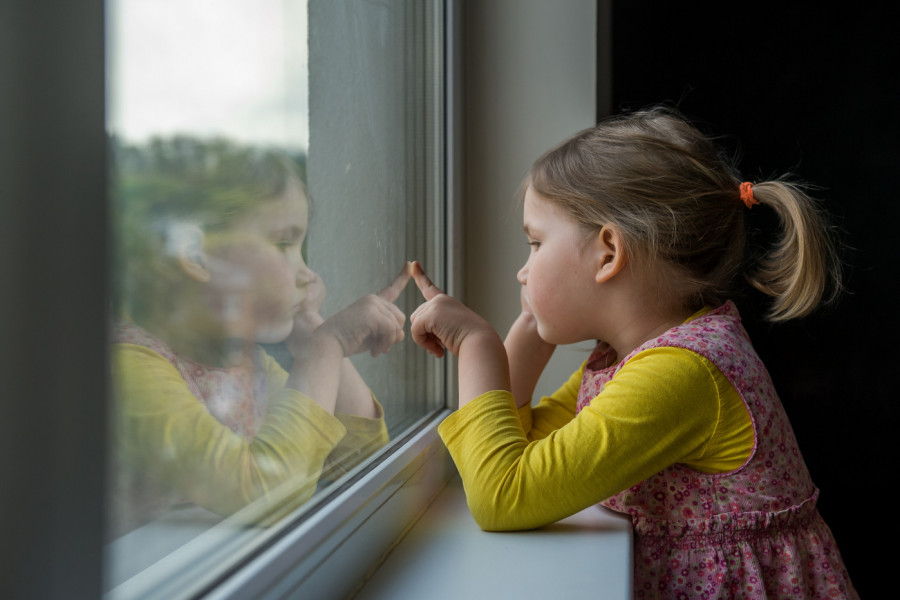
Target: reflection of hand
{"x":373,"y":323}
{"x":442,"y":321}
{"x":307,"y":318}
{"x":315,"y":295}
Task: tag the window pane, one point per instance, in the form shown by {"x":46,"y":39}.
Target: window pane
{"x":273,"y":167}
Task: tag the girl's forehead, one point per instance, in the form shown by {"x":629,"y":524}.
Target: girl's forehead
{"x":538,"y":208}
{"x":289,"y":209}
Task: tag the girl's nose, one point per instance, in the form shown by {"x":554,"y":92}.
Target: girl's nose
{"x":305,"y":275}
{"x":522,"y":275}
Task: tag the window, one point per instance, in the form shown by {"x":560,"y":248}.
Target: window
{"x":254,"y":142}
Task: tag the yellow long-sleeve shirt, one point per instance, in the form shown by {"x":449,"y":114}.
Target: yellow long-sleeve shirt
{"x":527,"y":468}
{"x":166,"y":432}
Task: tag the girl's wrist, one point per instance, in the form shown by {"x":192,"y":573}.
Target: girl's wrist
{"x":483,"y":365}
{"x":307,"y":322}
{"x":327,"y":343}
{"x":524,"y":331}
{"x":316,"y":346}
{"x":317,"y":371}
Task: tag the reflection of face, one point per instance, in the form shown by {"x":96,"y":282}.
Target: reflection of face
{"x":261,"y":276}
{"x":558,"y":278}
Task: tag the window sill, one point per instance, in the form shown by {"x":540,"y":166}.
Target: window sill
{"x":446,"y":555}
{"x":328,"y":555}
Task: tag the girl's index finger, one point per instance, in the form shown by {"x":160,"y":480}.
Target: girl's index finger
{"x":425,"y":285}
{"x":393,"y":290}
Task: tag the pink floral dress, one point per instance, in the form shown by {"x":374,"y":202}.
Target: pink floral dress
{"x":235,"y":396}
{"x":754,"y":532}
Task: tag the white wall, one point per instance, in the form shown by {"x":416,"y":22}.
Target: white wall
{"x":530,"y":83}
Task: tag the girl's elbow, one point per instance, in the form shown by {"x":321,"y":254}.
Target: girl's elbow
{"x":493,"y":517}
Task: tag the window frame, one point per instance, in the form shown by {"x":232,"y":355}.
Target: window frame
{"x":53,"y":160}
{"x":330,"y":554}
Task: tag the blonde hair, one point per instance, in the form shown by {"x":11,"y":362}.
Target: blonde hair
{"x":677,"y":203}
{"x":169,"y":183}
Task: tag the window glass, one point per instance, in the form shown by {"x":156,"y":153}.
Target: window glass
{"x":273,"y":165}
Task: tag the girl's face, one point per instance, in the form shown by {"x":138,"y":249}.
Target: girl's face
{"x":558,"y":278}
{"x":260,"y":280}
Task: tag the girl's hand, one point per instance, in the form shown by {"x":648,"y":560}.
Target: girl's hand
{"x":526,"y":318}
{"x":373,"y":323}
{"x":442,"y":321}
{"x":528,"y":354}
{"x":308,"y":318}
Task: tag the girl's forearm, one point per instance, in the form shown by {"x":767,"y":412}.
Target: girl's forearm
{"x":318,"y":372}
{"x":528,"y":355}
{"x":483,"y":366}
{"x":354,"y":396}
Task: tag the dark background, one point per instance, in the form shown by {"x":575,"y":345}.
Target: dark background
{"x":811,"y":89}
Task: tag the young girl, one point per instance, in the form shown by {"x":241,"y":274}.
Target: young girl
{"x":213,"y":265}
{"x":636,"y":229}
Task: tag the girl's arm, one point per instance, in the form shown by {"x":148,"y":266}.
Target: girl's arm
{"x":320,"y":348}
{"x":527,"y":353}
{"x":316,"y":370}
{"x":166,"y":430}
{"x":366,"y":430}
{"x":443,"y":323}
{"x":328,"y":377}
{"x":661,"y":408}
{"x":647,"y":419}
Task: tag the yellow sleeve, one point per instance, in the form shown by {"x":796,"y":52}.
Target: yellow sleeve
{"x":663,"y":407}
{"x":164,"y":428}
{"x":363,"y":436}
{"x":553,"y":411}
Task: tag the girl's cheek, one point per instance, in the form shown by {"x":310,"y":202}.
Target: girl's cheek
{"x":269,"y":278}
{"x":277,"y":288}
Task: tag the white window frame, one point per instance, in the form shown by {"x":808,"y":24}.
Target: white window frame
{"x":330,"y":554}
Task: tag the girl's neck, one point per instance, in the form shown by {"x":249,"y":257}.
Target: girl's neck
{"x":639,"y":306}
{"x":198,"y":339}
{"x":633,"y":321}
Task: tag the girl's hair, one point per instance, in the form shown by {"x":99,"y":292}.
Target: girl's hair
{"x":169,"y":183}
{"x":678,"y":205}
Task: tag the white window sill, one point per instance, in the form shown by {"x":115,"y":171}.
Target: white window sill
{"x":360,"y":538}
{"x":446,"y":555}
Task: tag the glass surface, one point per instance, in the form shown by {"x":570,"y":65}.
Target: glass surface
{"x":273,"y":166}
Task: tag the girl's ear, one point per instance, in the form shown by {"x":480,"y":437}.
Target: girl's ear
{"x":186,"y":242}
{"x":610,"y":252}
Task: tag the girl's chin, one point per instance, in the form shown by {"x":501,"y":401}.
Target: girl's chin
{"x":275,"y":333}
{"x":544,"y":333}
{"x":554,"y":337}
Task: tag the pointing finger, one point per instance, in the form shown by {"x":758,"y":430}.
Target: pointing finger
{"x":393,"y":290}
{"x":425,"y":285}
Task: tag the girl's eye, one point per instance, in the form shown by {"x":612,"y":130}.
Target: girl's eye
{"x":285,"y":245}
{"x":534,"y":244}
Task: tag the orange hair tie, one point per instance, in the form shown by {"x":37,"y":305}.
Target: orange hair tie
{"x":747,"y":194}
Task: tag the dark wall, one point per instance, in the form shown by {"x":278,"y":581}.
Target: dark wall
{"x":814,"y":90}
{"x":52,"y":299}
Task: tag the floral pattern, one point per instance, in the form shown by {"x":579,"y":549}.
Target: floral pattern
{"x":235,"y":396}
{"x":751,"y":533}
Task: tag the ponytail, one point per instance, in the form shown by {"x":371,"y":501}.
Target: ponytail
{"x":682,"y":210}
{"x":803,"y":266}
